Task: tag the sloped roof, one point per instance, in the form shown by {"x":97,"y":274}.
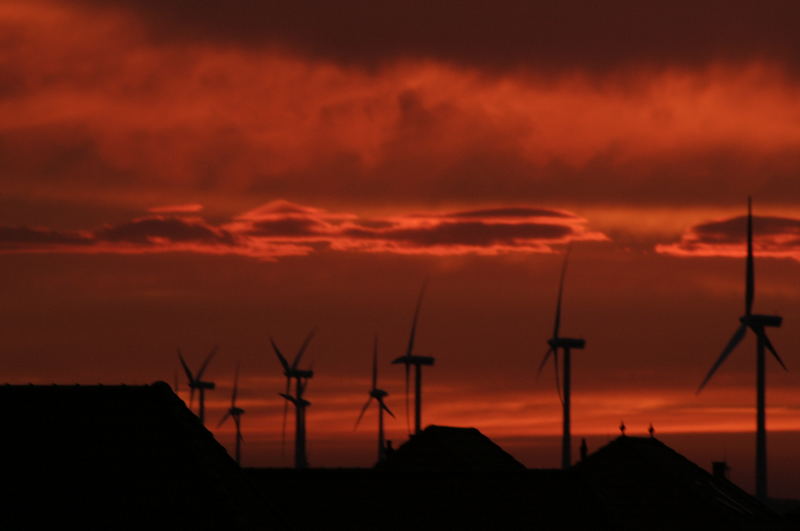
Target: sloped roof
{"x":644,"y":484}
{"x":451,"y":450}
{"x":118,"y":457}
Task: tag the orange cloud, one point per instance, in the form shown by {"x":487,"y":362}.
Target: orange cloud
{"x":150,"y":116}
{"x":281,"y":228}
{"x":776,"y":237}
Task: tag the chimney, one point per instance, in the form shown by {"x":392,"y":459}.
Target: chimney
{"x":719,"y":469}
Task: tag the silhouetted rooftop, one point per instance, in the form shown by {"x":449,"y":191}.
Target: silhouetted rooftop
{"x":444,"y":449}
{"x":116,"y":457}
{"x":642,"y":483}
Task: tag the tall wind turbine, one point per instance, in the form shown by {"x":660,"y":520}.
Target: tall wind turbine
{"x":409,"y":359}
{"x":235,"y":412}
{"x":566,"y":345}
{"x":757,"y":323}
{"x":300,"y":404}
{"x":196,"y":382}
{"x":378,"y":395}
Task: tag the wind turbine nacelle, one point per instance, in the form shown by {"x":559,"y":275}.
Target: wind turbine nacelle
{"x":378,"y":393}
{"x":567,"y":342}
{"x":205,"y":385}
{"x":234,"y":411}
{"x":414,"y":360}
{"x":757,"y":320}
{"x":297,"y":403}
{"x":297,"y":373}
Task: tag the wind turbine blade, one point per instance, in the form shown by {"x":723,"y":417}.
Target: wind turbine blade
{"x":238,"y":421}
{"x":375,"y":364}
{"x":413,"y":334}
{"x":185,"y":367}
{"x":544,"y":360}
{"x":285,"y":407}
{"x":386,"y":408}
{"x":290,"y":398}
{"x":206,"y":362}
{"x":558,"y":377}
{"x":361,"y":415}
{"x":408,"y":420}
{"x":303,"y":348}
{"x":557,"y":323}
{"x":224,"y":418}
{"x":235,"y":386}
{"x":749,"y":272}
{"x":768,"y":344}
{"x":301,"y":387}
{"x":281,"y":357}
{"x":283,"y":428}
{"x":735,"y":339}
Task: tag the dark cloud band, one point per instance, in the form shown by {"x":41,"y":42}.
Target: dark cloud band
{"x":564,"y":35}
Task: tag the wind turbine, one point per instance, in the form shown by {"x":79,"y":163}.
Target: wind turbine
{"x":300,"y":404}
{"x":566,"y":344}
{"x":378,"y":395}
{"x":196,"y":382}
{"x":235,"y":412}
{"x":409,"y":359}
{"x":757,"y":323}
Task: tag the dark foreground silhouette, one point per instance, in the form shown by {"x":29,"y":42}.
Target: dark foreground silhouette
{"x":118,"y":457}
{"x":135,"y":457}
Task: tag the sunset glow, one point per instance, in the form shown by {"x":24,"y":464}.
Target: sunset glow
{"x":188,"y":176}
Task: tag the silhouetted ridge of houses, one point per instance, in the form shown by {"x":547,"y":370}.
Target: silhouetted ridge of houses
{"x":641,"y":483}
{"x":118,"y":457}
{"x":444,"y":449}
{"x":135,"y":457}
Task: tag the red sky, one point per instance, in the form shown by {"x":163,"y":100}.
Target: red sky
{"x":175,"y":174}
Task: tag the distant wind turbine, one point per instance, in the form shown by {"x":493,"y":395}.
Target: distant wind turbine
{"x":409,"y":359}
{"x":566,"y":345}
{"x":235,"y":412}
{"x":757,"y":323}
{"x":196,"y":382}
{"x":378,"y":395}
{"x":300,"y":404}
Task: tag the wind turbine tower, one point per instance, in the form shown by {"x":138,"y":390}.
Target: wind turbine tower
{"x":757,"y":323}
{"x":300,"y":377}
{"x":409,"y":359}
{"x":235,"y":412}
{"x":565,"y":344}
{"x":378,"y":395}
{"x":197,"y":382}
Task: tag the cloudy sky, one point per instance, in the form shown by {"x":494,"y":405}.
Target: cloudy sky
{"x":189,"y":174}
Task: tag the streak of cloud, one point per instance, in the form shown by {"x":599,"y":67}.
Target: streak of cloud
{"x":281,"y":228}
{"x":776,"y":237}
